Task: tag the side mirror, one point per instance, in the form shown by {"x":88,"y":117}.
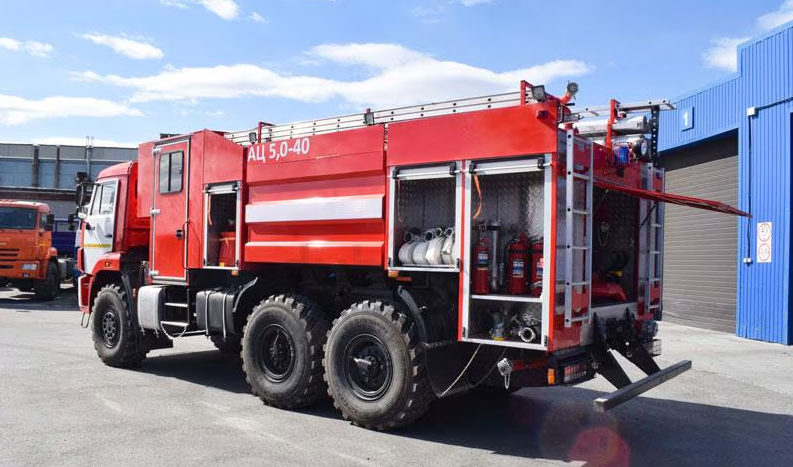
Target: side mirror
{"x":82,"y":193}
{"x":49,"y":223}
{"x":82,"y":216}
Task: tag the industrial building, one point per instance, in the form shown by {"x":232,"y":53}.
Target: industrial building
{"x":47,"y":173}
{"x":731,"y":141}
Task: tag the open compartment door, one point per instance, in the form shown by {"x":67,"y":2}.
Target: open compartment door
{"x":671,"y":198}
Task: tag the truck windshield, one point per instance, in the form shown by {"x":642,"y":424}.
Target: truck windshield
{"x":17,"y":218}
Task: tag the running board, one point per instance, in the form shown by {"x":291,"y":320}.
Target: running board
{"x":626,"y":393}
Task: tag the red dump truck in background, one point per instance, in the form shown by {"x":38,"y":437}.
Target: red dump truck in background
{"x":388,"y":258}
{"x":28,"y":261}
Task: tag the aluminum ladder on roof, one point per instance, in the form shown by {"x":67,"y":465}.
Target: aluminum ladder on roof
{"x":577,"y":179}
{"x":368,"y":118}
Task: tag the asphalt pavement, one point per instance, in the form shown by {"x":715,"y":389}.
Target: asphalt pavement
{"x":190,"y":405}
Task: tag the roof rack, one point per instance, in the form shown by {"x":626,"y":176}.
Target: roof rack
{"x":349,"y":122}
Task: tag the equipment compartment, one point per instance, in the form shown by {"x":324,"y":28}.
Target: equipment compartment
{"x":425,"y":218}
{"x":505,"y":256}
{"x":221,"y":234}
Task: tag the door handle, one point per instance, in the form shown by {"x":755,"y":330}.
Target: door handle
{"x":180,"y":233}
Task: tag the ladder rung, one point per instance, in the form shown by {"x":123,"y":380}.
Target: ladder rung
{"x":654,"y":279}
{"x":581,"y":212}
{"x":176,"y":304}
{"x":579,"y":284}
{"x":655,"y":252}
{"x":580,"y":176}
{"x":577,"y":247}
{"x":653,"y":307}
{"x":655,"y":225}
{"x":576,"y":319}
{"x":175,"y":323}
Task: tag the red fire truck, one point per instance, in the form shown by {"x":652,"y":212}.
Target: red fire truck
{"x":391,"y":257}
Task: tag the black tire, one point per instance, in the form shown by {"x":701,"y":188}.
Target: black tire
{"x":374,"y":368}
{"x":49,"y":287}
{"x":115,"y":339}
{"x":282,"y":351}
{"x":229,"y":345}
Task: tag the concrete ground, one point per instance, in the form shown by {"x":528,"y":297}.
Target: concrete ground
{"x":190,"y":405}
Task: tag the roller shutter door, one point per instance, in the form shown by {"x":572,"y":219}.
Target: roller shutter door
{"x":700,"y":256}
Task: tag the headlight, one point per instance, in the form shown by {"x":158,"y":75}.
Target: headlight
{"x":30,"y":267}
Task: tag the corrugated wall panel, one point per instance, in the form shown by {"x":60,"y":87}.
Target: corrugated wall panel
{"x":715,"y":112}
{"x":764,"y":299}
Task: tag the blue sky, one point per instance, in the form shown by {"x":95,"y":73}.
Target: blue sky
{"x":124,"y":71}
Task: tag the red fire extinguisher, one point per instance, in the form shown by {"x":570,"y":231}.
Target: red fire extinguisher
{"x":537,"y":266}
{"x":517,"y":261}
{"x":481,"y":267}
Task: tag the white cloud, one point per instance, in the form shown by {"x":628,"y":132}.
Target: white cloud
{"x":776,"y":18}
{"x":77,"y":141}
{"x":399,"y":76}
{"x":257,"y":18}
{"x":375,"y":55}
{"x":473,"y":2}
{"x":226,"y":9}
{"x":722,"y":53}
{"x":35,"y":48}
{"x":125,"y":46}
{"x":15,"y":110}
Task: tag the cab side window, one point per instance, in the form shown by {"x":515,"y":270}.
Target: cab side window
{"x":103,"y":199}
{"x":108,"y":199}
{"x":95,"y":198}
{"x":171,"y":172}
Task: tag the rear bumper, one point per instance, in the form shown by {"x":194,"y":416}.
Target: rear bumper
{"x":16,"y":269}
{"x":626,"y":393}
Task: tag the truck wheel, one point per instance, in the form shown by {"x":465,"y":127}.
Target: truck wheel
{"x":229,"y":345}
{"x":115,"y":340}
{"x":374,"y":369}
{"x":49,"y":287}
{"x":282,"y":351}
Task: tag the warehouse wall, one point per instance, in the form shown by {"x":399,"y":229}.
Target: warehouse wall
{"x":764,"y":83}
{"x":50,"y":170}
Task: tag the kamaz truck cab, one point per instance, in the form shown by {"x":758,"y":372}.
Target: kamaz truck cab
{"x":28,"y":261}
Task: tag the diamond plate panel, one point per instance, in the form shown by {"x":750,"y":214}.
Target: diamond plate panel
{"x":422,"y":205}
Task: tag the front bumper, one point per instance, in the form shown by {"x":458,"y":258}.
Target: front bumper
{"x":20,"y":269}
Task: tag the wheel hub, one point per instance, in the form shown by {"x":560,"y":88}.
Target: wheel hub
{"x":110,"y":331}
{"x":367,"y":367}
{"x":277,"y":353}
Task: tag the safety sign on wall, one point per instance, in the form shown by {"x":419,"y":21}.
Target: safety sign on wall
{"x":763,"y":242}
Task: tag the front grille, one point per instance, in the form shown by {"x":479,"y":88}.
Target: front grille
{"x":6,"y":266}
{"x":9,"y":254}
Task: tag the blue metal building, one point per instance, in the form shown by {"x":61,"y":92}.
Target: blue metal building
{"x":742,"y":124}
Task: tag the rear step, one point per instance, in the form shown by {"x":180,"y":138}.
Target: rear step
{"x":626,"y":393}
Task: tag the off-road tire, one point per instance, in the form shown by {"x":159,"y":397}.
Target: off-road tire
{"x":278,"y":325}
{"x":229,"y":344}
{"x":408,"y":394}
{"x":124,"y":348}
{"x":49,"y":287}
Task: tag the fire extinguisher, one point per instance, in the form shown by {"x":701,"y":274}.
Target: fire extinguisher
{"x":481,"y":267}
{"x":537,"y":266}
{"x":517,"y":255}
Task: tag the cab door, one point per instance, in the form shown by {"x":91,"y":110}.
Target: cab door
{"x":169,"y":213}
{"x":99,"y":223}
